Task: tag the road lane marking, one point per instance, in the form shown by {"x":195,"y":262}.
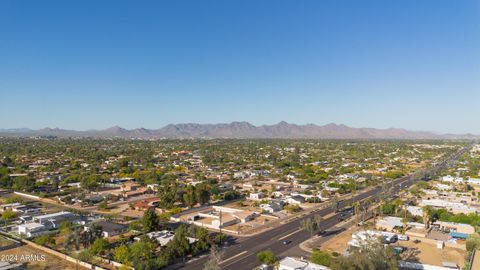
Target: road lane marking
{"x":283,"y":237}
{"x":233,"y":257}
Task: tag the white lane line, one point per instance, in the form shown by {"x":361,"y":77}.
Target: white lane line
{"x":233,"y":257}
{"x":283,"y":237}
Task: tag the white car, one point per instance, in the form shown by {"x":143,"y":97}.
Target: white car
{"x":403,"y":237}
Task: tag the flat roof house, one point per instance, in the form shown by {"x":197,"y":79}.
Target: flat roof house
{"x":255,"y":196}
{"x":297,"y":199}
{"x":289,"y":263}
{"x":389,"y":223}
{"x":110,"y":229}
{"x":271,"y":207}
{"x":164,"y":237}
{"x":32,"y":229}
{"x":54,"y":220}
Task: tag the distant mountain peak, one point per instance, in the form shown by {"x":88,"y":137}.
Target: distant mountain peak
{"x":243,"y":129}
{"x":116,"y":129}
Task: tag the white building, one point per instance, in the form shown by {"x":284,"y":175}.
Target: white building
{"x":474,"y":181}
{"x":256,"y":196}
{"x":271,"y":207}
{"x":32,"y":229}
{"x":452,"y":179}
{"x":54,"y":220}
{"x":454,"y":207}
{"x":415,"y":210}
{"x":289,"y":263}
{"x":164,"y":237}
{"x":362,"y":238}
{"x":295,"y":200}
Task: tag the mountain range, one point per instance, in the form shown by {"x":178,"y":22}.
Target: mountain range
{"x":241,"y":130}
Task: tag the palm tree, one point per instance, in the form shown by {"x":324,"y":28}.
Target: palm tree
{"x":356,"y":211}
{"x":426,"y":216}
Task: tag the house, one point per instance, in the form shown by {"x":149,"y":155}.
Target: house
{"x":454,"y":207}
{"x":474,"y":181}
{"x":53,"y":221}
{"x":130,"y":186}
{"x":244,"y":216}
{"x":415,"y":210}
{"x":220,"y":216}
{"x":163,"y":237}
{"x":452,"y":179}
{"x":297,"y":199}
{"x":32,"y":229}
{"x":271,"y":207}
{"x":443,"y":187}
{"x":279,"y":194}
{"x":137,"y":192}
{"x":362,"y":238}
{"x":9,"y":207}
{"x":110,"y":229}
{"x":256,"y":196}
{"x":289,"y":263}
{"x":389,"y":223}
{"x":19,"y":208}
{"x":146,"y":204}
{"x":225,"y":221}
{"x":153,"y":187}
{"x":455,"y":227}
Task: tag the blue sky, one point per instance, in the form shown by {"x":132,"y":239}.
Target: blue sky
{"x":94,"y":64}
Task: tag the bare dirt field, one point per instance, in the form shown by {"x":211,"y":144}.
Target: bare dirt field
{"x":338,"y":243}
{"x":429,"y":254}
{"x":36,"y":259}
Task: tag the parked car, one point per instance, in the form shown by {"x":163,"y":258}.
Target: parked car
{"x":403,"y":237}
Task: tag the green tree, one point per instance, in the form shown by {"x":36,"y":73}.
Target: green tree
{"x":103,"y":205}
{"x":189,"y":196}
{"x":150,"y":221}
{"x":372,"y":256}
{"x":44,"y":240}
{"x":179,"y":245}
{"x":473,"y":242}
{"x":167,"y":192}
{"x":90,"y":182}
{"x":100,"y":246}
{"x":321,"y":258}
{"x":121,"y":254}
{"x":292,"y":208}
{"x":65,"y":227}
{"x":8,"y":215}
{"x":202,"y":193}
{"x":334,"y":204}
{"x":266,"y":257}
{"x":85,"y":255}
{"x":142,"y":250}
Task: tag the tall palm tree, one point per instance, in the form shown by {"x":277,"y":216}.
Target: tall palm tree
{"x":426,"y":216}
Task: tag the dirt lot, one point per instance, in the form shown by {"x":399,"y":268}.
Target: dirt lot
{"x":429,"y":254}
{"x":422,"y":252}
{"x":36,"y":259}
{"x":339,"y":242}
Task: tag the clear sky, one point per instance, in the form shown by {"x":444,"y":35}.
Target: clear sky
{"x":83,"y":64}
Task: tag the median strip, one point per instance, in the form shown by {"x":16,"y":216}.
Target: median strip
{"x":283,"y":237}
{"x":233,"y":257}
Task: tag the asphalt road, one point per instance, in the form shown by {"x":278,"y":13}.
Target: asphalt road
{"x":242,"y":255}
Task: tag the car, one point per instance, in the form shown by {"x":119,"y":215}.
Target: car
{"x":398,"y":250}
{"x":403,"y":237}
{"x":286,"y":242}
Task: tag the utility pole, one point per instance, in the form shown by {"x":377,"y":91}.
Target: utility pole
{"x":220,"y":226}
